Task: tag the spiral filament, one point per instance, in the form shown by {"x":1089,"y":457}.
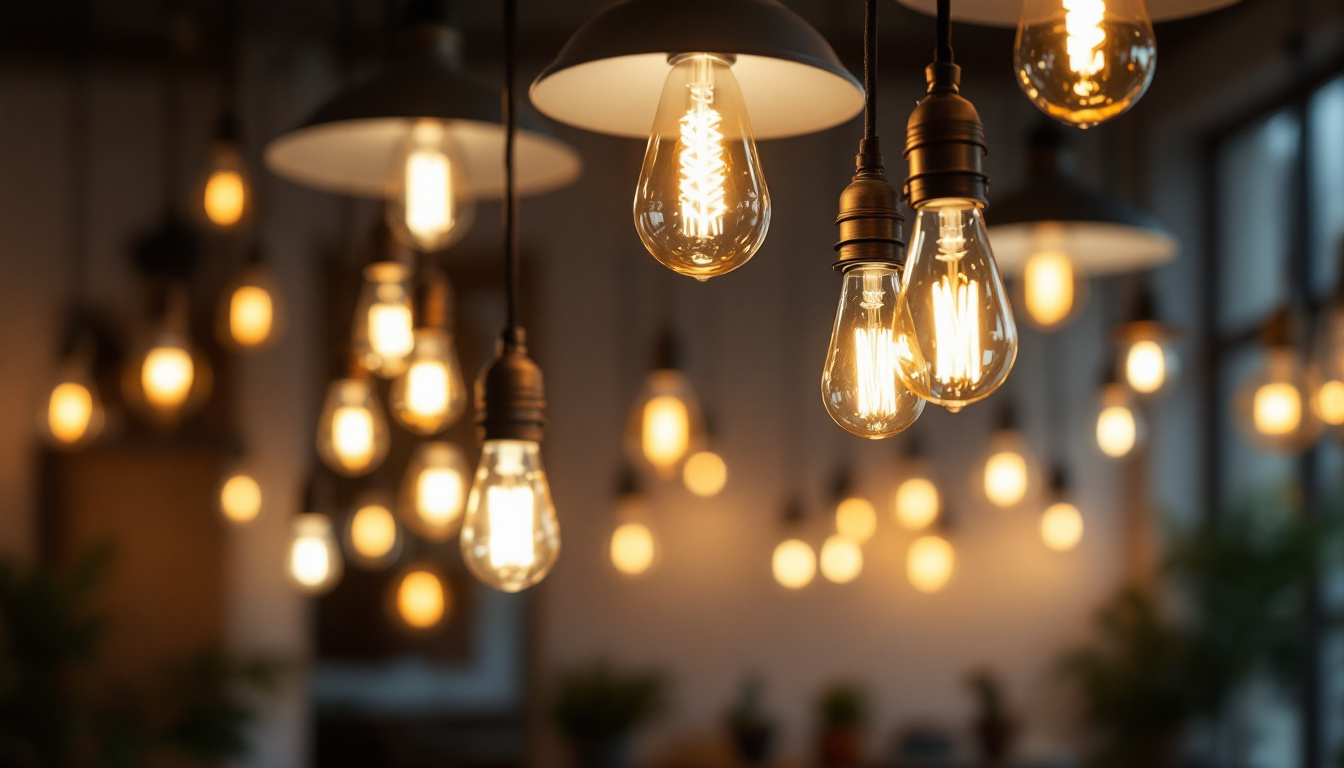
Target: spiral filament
{"x":511,"y":515}
{"x":876,"y":355}
{"x":702,"y":163}
{"x":956,"y":311}
{"x":1082,"y":24}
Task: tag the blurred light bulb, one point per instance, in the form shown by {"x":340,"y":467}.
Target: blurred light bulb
{"x":250,"y":311}
{"x":166,"y":376}
{"x":372,"y":535}
{"x":956,"y":317}
{"x":314,"y":558}
{"x":384,"y":334}
{"x":169,"y":379}
{"x":510,"y":537}
{"x":74,"y":410}
{"x":1327,"y":369}
{"x":665,"y":423}
{"x":1146,"y":366}
{"x":225,"y":198}
{"x":701,"y":207}
{"x":240,"y":497}
{"x":917,"y":503}
{"x":1008,"y":470}
{"x":422,"y":598}
{"x":1329,"y":402}
{"x":856,"y":519}
{"x":929,"y":563}
{"x":633,"y":547}
{"x":430,"y":394}
{"x":861,"y":383}
{"x":1061,"y":526}
{"x":794,"y":564}
{"x":1050,"y":289}
{"x":841,"y":559}
{"x":1084,"y":61}
{"x":434,"y":491}
{"x":429,"y":203}
{"x":705,"y":474}
{"x":352,"y":434}
{"x":1119,"y":427}
{"x":1272,"y":404}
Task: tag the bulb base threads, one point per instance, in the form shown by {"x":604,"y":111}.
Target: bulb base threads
{"x":945,"y":143}
{"x":510,"y":395}
{"x":869,"y":220}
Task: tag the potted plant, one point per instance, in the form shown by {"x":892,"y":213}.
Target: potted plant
{"x":598,"y":707}
{"x":844,"y":712}
{"x":751,"y":728}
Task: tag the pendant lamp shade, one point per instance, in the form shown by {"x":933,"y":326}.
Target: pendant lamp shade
{"x":348,"y":146}
{"x":1006,"y":13}
{"x":1100,"y":235}
{"x":609,"y":76}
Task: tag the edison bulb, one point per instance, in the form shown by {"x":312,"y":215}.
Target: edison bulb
{"x":841,"y":560}
{"x":1119,"y":426}
{"x":314,"y":561}
{"x":372,"y":536}
{"x":701,"y":207}
{"x":1008,"y":472}
{"x":665,"y":423}
{"x":1061,"y":526}
{"x":794,"y":564}
{"x":169,"y":380}
{"x":430,"y":394}
{"x":1147,"y":365}
{"x":430,"y":205}
{"x":704,"y":474}
{"x":856,"y":519}
{"x":352,"y":435}
{"x":633,"y":547}
{"x":916,"y":502}
{"x":929,"y":563}
{"x":384,"y":335}
{"x":955,"y":315}
{"x":225,"y":197}
{"x":74,"y":414}
{"x":1084,"y":62}
{"x":1052,"y":291}
{"x":510,"y":536}
{"x":434,"y":491}
{"x":421,"y":597}
{"x":1273,"y":404}
{"x":250,"y":311}
{"x":1327,"y":369}
{"x":861,"y":383}
{"x":240,"y":497}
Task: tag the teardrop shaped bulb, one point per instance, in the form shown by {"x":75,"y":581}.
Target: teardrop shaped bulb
{"x":352,"y":434}
{"x":430,"y":394}
{"x":429,"y":203}
{"x":510,"y":535}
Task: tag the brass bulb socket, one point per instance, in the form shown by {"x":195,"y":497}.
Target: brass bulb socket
{"x":869,"y":220}
{"x":945,"y":143}
{"x":510,"y":394}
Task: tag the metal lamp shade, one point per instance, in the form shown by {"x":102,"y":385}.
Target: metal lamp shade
{"x":609,"y":76}
{"x":348,"y":145}
{"x":1005,"y":13}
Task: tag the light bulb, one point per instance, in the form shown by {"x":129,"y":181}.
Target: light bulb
{"x":372,"y":536}
{"x":1119,"y":426}
{"x":384,"y":335}
{"x":1327,"y":369}
{"x":841,"y":559}
{"x":955,"y":316}
{"x":240,"y":497}
{"x":510,"y":537}
{"x":665,"y":423}
{"x":1272,"y":404}
{"x":701,"y":206}
{"x":861,"y":383}
{"x":929,"y":563}
{"x":430,"y":394}
{"x":168,"y":380}
{"x":314,"y":562}
{"x":1145,"y":366}
{"x":434,"y":491}
{"x":1052,"y":292}
{"x":793,"y":564}
{"x":856,"y":519}
{"x":1061,"y":526}
{"x":250,"y":311}
{"x":705,"y":474}
{"x":1084,"y":61}
{"x":916,"y":502}
{"x":1008,"y":471}
{"x":352,"y":434}
{"x":225,"y":196}
{"x":633,"y":547}
{"x":430,"y":205}
{"x":421,"y":597}
{"x":73,"y":415}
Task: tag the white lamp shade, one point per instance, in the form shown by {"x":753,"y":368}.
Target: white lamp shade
{"x":1095,"y":248}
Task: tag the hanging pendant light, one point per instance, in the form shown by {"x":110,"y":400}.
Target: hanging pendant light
{"x":419,"y":598}
{"x":701,"y":80}
{"x":1273,"y":402}
{"x":373,"y":539}
{"x":226,"y":193}
{"x":1061,"y":523}
{"x":916,"y":503}
{"x":434,"y":491}
{"x":1008,"y":474}
{"x":72,"y":414}
{"x":430,"y":395}
{"x":1147,"y":362}
{"x":1008,"y":13}
{"x":1120,"y":427}
{"x":239,"y":496}
{"x":794,"y":562}
{"x":422,"y":134}
{"x":665,"y":424}
{"x":633,"y":546}
{"x":352,"y":435}
{"x":169,"y":379}
{"x":251,"y":314}
{"x":314,"y":564}
{"x":1327,"y":363}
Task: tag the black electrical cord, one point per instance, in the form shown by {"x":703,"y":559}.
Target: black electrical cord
{"x":870,"y":69}
{"x":510,"y":128}
{"x":943,"y":54}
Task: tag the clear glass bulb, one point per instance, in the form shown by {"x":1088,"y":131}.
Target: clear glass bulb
{"x":430,"y":394}
{"x":226,"y":195}
{"x":421,"y":598}
{"x":1009,"y":472}
{"x":429,"y":202}
{"x":665,"y":424}
{"x":73,"y":414}
{"x":372,"y":536}
{"x":314,"y":561}
{"x":1273,"y":404}
{"x":510,"y":537}
{"x":1052,"y":291}
{"x":916,"y":502}
{"x":250,"y":312}
{"x":434,"y":491}
{"x":1120,"y":428}
{"x":384,"y":334}
{"x":861,"y":384}
{"x":1084,"y":62}
{"x":352,"y":435}
{"x":705,"y":474}
{"x":701,"y":207}
{"x":794,"y":564}
{"x":954,"y":316}
{"x":929,"y":563}
{"x":1327,"y":368}
{"x":633,"y":546}
{"x":240,"y":497}
{"x":1061,"y":526}
{"x":841,"y":559}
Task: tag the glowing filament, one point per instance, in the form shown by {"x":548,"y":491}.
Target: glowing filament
{"x":352,"y":435}
{"x":511,"y":518}
{"x":1277,"y":408}
{"x":876,"y":355}
{"x":427,"y":389}
{"x":703,"y":168}
{"x":167,"y":376}
{"x":391,"y":330}
{"x":429,"y":198}
{"x":666,"y":431}
{"x":69,"y":411}
{"x":438,"y":496}
{"x":309,"y":561}
{"x":251,"y":315}
{"x":1146,"y":366}
{"x":1082,"y":24}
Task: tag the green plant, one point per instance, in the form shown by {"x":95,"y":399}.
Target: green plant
{"x":600,"y":702}
{"x":843,"y":705}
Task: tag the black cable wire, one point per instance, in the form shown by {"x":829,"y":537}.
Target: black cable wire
{"x":510,"y":128}
{"x":79,"y":166}
{"x":944,"y":50}
{"x":870,"y":69}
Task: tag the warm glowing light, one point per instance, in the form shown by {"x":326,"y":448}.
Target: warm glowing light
{"x":956,"y":313}
{"x":1082,"y":25}
{"x":438,"y":496}
{"x":705,"y":474}
{"x":240,"y":498}
{"x":430,"y":395}
{"x":794,"y":564}
{"x":1277,"y":408}
{"x":632,"y":548}
{"x":70,"y":411}
{"x":1006,"y":478}
{"x":427,"y":388}
{"x":1061,"y":527}
{"x":314,"y":559}
{"x":225,"y":197}
{"x":667,"y":431}
{"x":1329,"y":403}
{"x":841,"y":559}
{"x":352,"y":433}
{"x":510,"y":537}
{"x":856,"y":519}
{"x":1047,"y":285}
{"x":373,"y":532}
{"x":703,"y":168}
{"x":251,"y":315}
{"x":1146,"y":366}
{"x":434,"y":491}
{"x":917,"y":503}
{"x":929,"y":563}
{"x":428,"y":180}
{"x":422,"y":600}
{"x":384,"y":334}
{"x":391,"y":331}
{"x":1117,"y":430}
{"x":166,"y":377}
